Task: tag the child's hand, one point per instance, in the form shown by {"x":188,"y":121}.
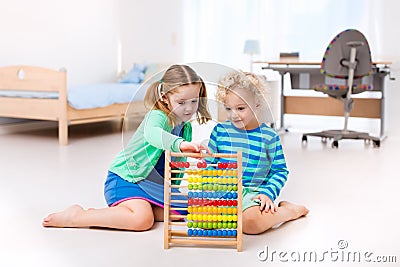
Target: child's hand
{"x":190,"y":147}
{"x":266,"y":204}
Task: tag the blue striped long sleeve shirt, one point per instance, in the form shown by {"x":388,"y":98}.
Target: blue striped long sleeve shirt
{"x":264,"y":165}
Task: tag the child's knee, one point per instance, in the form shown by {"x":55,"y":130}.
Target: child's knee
{"x":143,"y":222}
{"x":252,"y":222}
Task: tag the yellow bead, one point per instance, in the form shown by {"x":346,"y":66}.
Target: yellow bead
{"x":235,"y":180}
{"x":219,"y":217}
{"x":234,"y":210}
{"x":210,"y":172}
{"x":210,"y":180}
{"x":209,"y":209}
{"x":215,"y":180}
{"x":219,"y":172}
{"x":215,"y":172}
{"x":195,"y":209}
{"x":190,"y":217}
{"x":210,"y":218}
{"x":234,"y":218}
{"x":220,"y":209}
{"x":190,"y":209}
{"x":215,"y":217}
{"x":194,"y":217}
{"x":199,"y":217}
{"x":215,"y":210}
{"x":229,"y":218}
{"x":224,"y":218}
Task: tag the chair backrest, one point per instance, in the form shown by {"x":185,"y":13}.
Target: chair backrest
{"x":338,"y":51}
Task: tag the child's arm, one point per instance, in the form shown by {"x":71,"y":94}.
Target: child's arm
{"x":278,"y":173}
{"x":155,"y":132}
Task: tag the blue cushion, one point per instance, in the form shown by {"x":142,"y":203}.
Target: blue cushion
{"x":135,"y":75}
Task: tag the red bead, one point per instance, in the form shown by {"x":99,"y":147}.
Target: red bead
{"x":230,"y":202}
{"x":220,"y":202}
{"x":190,"y":201}
{"x":234,"y":165}
{"x":199,"y":165}
{"x":229,"y":165}
{"x":225,"y":165}
{"x":187,"y":164}
{"x":219,"y":165}
{"x":215,"y":203}
{"x":195,"y":201}
{"x":204,"y":164}
{"x":234,"y":202}
{"x":181,"y":164}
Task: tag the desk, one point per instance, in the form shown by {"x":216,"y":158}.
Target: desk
{"x":305,"y":74}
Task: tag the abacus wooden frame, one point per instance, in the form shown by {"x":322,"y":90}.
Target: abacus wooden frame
{"x":172,"y":236}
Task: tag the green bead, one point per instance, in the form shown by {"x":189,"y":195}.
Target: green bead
{"x":235,"y":188}
{"x":229,"y":225}
{"x":215,"y":225}
{"x":199,"y":224}
{"x":190,"y":224}
{"x":234,"y":225}
{"x":194,"y":224}
{"x":190,"y":186}
{"x":220,"y":225}
{"x":209,"y":225}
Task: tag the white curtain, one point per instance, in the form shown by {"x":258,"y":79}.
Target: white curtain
{"x":215,"y":31}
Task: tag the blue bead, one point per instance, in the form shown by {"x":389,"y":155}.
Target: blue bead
{"x":194,"y":194}
{"x":214,"y":232}
{"x":229,"y":195}
{"x":234,"y":195}
{"x":195,"y":232}
{"x":219,"y":232}
{"x":190,"y":232}
{"x":230,"y":233}
{"x":210,"y":194}
{"x":234,"y":233}
{"x":209,"y":232}
{"x":215,"y":195}
{"x":224,"y":233}
{"x":190,"y":194}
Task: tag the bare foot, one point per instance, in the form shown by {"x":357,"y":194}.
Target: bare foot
{"x":66,"y":218}
{"x":297,"y":210}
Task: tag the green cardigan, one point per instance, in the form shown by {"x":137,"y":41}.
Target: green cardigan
{"x":140,"y":155}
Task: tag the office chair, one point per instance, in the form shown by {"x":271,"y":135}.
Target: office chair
{"x":347,"y":59}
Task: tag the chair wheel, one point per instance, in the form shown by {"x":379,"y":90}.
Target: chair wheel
{"x":335,"y":144}
{"x":304,"y":138}
{"x":376,"y":143}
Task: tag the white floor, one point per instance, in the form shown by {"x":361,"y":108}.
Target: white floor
{"x":352,"y":194}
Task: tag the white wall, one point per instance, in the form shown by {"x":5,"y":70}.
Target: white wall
{"x":81,"y":36}
{"x":151,"y":31}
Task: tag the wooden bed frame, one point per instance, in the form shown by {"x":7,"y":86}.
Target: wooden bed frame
{"x":38,"y":79}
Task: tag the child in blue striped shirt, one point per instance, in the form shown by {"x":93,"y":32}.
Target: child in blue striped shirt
{"x":264,"y":166}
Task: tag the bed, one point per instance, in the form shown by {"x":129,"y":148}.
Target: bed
{"x":30,"y":92}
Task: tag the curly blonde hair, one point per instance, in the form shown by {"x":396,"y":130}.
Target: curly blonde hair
{"x":242,"y":80}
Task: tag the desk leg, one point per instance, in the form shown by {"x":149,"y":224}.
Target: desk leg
{"x":282,"y":117}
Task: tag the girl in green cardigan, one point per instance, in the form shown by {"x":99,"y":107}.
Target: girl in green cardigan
{"x":134,"y":185}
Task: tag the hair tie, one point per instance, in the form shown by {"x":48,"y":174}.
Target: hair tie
{"x":159,"y":89}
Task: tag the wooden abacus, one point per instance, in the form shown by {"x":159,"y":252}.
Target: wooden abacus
{"x":213,"y":201}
